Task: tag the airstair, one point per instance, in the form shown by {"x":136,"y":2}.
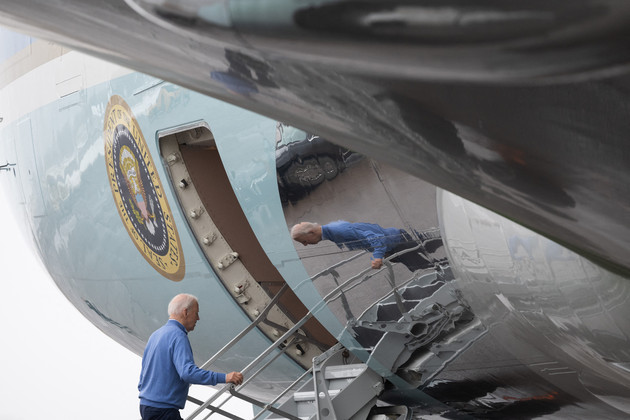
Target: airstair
{"x":339,"y":390}
{"x":404,"y":330}
{"x":341,"y":386}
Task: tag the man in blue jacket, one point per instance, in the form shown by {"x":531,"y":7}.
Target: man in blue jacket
{"x":382,"y":242}
{"x":168,"y":367}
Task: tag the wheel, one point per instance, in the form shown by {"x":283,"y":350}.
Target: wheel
{"x":329,"y":166}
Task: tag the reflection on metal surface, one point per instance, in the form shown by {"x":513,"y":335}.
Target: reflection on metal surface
{"x":366,"y":192}
{"x":542,"y":295}
{"x":507,"y":35}
{"x":541,"y":318}
{"x":385,"y":277}
{"x":304,"y":161}
{"x":406,"y":315}
{"x":428,"y":328}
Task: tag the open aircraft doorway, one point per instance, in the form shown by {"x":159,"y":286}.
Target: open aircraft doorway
{"x":220,"y":226}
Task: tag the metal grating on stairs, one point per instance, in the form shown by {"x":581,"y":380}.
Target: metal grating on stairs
{"x":339,"y":390}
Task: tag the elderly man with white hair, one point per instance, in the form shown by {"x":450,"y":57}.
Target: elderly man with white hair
{"x":382,"y":242}
{"x":168,"y":367}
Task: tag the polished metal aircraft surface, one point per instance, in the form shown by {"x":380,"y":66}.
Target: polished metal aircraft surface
{"x":518,"y":107}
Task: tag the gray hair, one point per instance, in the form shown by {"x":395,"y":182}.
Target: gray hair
{"x":181,"y":302}
{"x":303,"y":228}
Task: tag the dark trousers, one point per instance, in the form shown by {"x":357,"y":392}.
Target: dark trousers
{"x":413,"y":260}
{"x":154,"y":413}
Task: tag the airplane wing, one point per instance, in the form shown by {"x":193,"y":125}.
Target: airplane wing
{"x":519,"y":107}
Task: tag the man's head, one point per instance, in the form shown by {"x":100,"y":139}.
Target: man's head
{"x":184,"y":308}
{"x":307,"y":233}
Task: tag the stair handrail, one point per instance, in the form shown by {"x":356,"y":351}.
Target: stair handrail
{"x":272,"y":347}
{"x":332,"y":295}
{"x":337,"y":264}
{"x":276,"y":344}
{"x":265,"y":406}
{"x":232,"y":388}
{"x":246,"y":330}
{"x":370,"y":275}
{"x":283,"y":393}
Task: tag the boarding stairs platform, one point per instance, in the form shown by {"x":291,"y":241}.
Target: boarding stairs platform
{"x":340,"y":387}
{"x":338,"y":390}
{"x":421,"y":313}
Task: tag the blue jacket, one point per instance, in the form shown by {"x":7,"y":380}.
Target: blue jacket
{"x":372,"y":237}
{"x":168,"y":368}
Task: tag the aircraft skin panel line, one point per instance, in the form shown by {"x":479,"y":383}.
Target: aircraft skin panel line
{"x":49,"y":66}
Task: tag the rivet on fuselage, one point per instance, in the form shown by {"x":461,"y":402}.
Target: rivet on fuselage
{"x":209,"y":239}
{"x":195,"y":213}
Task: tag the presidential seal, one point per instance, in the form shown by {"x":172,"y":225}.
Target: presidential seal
{"x":138,"y":192}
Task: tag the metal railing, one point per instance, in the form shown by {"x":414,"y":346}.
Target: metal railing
{"x":286,"y":339}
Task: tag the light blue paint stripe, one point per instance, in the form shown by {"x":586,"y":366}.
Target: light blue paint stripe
{"x":11,"y":43}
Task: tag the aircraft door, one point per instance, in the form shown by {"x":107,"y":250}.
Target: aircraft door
{"x":226,"y":238}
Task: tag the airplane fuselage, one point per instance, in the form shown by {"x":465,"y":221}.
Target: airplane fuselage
{"x":133,"y":189}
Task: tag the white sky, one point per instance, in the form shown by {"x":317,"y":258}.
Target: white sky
{"x":55,"y":365}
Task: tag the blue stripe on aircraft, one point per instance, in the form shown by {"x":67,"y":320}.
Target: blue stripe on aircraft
{"x":12,"y":43}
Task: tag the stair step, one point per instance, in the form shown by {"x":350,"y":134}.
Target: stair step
{"x":310,"y":395}
{"x":354,"y":385}
{"x":344,"y":371}
{"x":333,"y":373}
